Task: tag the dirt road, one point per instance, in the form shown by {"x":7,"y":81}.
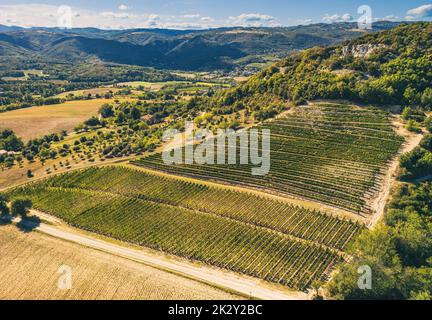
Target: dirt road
{"x":225,"y":280}
{"x":380,"y":202}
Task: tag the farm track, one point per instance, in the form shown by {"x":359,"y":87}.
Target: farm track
{"x":30,"y":271}
{"x":379,"y":203}
{"x":245,"y":286}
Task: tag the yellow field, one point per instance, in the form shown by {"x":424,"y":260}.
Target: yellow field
{"x":148,"y":85}
{"x":37,"y":121}
{"x":30,"y":264}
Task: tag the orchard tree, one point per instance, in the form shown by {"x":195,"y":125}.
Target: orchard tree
{"x":21,"y":207}
{"x":4,"y":209}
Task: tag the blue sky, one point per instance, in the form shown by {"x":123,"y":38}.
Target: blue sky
{"x":185,"y":14}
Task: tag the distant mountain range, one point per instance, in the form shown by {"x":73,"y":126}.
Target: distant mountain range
{"x":211,"y":49}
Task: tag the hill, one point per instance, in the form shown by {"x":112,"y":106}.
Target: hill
{"x":392,"y":67}
{"x":174,"y":49}
{"x":333,"y":154}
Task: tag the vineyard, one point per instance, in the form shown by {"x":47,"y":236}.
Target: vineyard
{"x":333,"y":154}
{"x":240,"y":231}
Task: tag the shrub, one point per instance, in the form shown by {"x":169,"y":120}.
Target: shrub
{"x":426,"y":142}
{"x":21,"y":207}
{"x":413,"y":126}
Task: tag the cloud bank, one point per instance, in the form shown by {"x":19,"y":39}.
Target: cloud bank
{"x":424,"y":11}
{"x":43,"y":15}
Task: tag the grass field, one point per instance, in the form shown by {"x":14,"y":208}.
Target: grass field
{"x":333,"y":154}
{"x":239,"y":231}
{"x":35,"y":122}
{"x":86,"y":92}
{"x":30,"y":264}
{"x":159,"y":85}
{"x":149,"y":85}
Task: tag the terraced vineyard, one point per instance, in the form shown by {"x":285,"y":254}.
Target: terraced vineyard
{"x":333,"y":154}
{"x":240,"y":231}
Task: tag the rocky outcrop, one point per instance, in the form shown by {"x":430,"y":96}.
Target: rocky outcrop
{"x":361,"y":50}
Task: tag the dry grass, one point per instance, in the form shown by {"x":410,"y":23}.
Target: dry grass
{"x":241,"y":79}
{"x":30,"y":264}
{"x":37,"y":121}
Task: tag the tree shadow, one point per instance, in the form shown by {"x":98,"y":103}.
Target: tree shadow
{"x":5,"y":221}
{"x":29,"y":224}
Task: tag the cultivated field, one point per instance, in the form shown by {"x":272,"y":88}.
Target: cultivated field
{"x":239,"y":231}
{"x":30,"y":263}
{"x":333,"y":154}
{"x":37,"y":121}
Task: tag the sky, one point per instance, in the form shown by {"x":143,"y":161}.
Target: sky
{"x":202,"y":14}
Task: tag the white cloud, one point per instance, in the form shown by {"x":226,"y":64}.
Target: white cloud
{"x":304,"y":21}
{"x":391,"y":18}
{"x":346,"y":17}
{"x":409,"y":18}
{"x":331,"y":18}
{"x":424,"y":11}
{"x":123,"y":7}
{"x":154,"y":17}
{"x":254,"y":20}
{"x":117,"y":15}
{"x":207,"y":19}
{"x":42,"y":15}
{"x":153,"y":21}
{"x":191,"y":16}
{"x":183,"y":25}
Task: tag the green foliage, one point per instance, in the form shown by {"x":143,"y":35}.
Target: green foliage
{"x":106,"y":111}
{"x":92,"y":122}
{"x":417,"y":163}
{"x":428,"y":124}
{"x":426,"y":99}
{"x":21,"y":207}
{"x":399,"y":252}
{"x":4,"y":209}
{"x":9,"y":141}
{"x":413,"y":126}
{"x":120,"y":118}
{"x":413,"y":114}
{"x":393,"y":73}
{"x":426,"y":142}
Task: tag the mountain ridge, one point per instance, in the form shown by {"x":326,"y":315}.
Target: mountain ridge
{"x":174,"y":49}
